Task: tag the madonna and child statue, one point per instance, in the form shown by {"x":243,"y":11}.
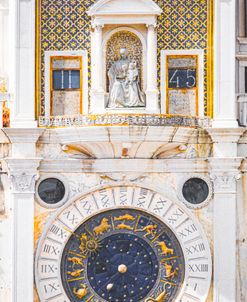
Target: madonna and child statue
{"x":124,"y":88}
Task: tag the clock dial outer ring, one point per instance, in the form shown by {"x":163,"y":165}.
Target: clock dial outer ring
{"x":197,"y":255}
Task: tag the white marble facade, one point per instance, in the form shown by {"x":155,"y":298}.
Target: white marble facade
{"x":86,"y":158}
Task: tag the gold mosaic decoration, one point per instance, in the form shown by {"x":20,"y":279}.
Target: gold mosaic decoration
{"x":128,"y":40}
{"x":65,"y":25}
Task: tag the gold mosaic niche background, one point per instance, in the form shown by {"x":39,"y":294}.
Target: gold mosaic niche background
{"x":65,"y":25}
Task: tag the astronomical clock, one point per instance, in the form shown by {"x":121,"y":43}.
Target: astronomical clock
{"x":123,"y":243}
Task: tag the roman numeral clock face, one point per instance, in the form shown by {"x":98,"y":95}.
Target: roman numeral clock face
{"x":123,"y":244}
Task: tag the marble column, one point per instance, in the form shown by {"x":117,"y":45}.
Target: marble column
{"x":224,"y":82}
{"x":97,"y":89}
{"x":23,"y":173}
{"x":22,"y":169}
{"x":22,"y":38}
{"x":224,"y":174}
{"x":225,"y":171}
{"x":99,"y":57}
{"x":152,"y":93}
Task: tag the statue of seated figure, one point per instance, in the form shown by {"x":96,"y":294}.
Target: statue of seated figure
{"x":124,"y":84}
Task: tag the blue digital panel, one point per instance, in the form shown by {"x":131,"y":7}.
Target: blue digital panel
{"x":181,"y":78}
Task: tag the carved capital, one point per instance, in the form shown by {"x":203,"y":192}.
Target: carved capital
{"x":151,"y":26}
{"x":23,"y":183}
{"x":22,"y":174}
{"x":97,"y":27}
{"x":225,"y":182}
{"x":225,"y":173}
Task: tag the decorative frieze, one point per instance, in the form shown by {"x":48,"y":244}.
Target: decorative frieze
{"x":124,"y":120}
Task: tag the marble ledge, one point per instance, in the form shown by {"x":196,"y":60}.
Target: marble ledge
{"x":124,"y":165}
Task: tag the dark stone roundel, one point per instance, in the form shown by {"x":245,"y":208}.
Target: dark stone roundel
{"x":195,"y":190}
{"x":51,"y":190}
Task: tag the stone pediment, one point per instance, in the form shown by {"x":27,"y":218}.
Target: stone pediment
{"x":126,"y":7}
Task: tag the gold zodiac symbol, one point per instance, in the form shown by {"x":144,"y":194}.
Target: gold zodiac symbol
{"x":103,"y":227}
{"x":164,"y":249}
{"x":150,"y":230}
{"x":80,"y":292}
{"x":160,"y":298}
{"x":88,"y":245}
{"x":169,"y":272}
{"x":83,"y":237}
{"x":123,"y":226}
{"x":76,"y":273}
{"x":124,"y":217}
{"x":75,"y":261}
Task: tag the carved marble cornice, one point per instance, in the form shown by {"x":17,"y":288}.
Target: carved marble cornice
{"x":22,"y":174}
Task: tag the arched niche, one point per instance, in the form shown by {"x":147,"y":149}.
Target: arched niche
{"x":135,"y":43}
{"x":139,"y":18}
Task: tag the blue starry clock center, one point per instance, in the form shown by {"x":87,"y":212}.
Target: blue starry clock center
{"x":125,"y":269}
